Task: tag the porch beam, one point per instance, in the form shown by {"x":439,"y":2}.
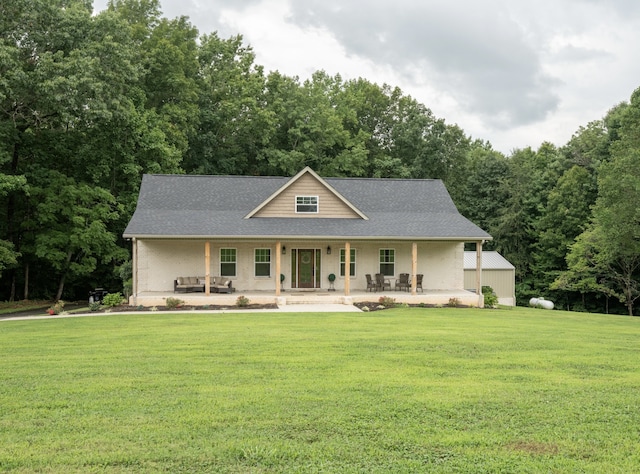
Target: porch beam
{"x":134,"y":271}
{"x":207,"y":266}
{"x":278,"y":266}
{"x":347,"y":268}
{"x":414,"y":267}
{"x":479,"y":274}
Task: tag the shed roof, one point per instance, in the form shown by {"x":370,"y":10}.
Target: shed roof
{"x":490,"y":261}
{"x":196,"y":206}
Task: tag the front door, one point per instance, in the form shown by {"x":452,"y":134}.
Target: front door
{"x":306,"y":268}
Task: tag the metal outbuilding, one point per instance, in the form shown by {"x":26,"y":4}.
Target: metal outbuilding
{"x":497,"y":272}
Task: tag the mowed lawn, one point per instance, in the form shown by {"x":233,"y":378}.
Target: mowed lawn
{"x":402,"y":390}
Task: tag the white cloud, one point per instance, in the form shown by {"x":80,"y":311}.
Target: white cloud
{"x":513,"y":73}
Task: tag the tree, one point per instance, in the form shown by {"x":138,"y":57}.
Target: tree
{"x":309,"y":130}
{"x":56,"y":62}
{"x":564,"y":217}
{"x":483,"y":193}
{"x":606,"y":257}
{"x":72,"y":232}
{"x":234,"y":122}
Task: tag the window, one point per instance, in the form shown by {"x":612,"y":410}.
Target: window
{"x":228,"y":259}
{"x":307,"y":204}
{"x":352,"y":263}
{"x":262,"y":262}
{"x":387,"y":262}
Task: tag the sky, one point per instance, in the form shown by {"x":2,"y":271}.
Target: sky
{"x":514,"y":73}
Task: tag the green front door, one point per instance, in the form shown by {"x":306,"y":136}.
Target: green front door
{"x":306,"y":268}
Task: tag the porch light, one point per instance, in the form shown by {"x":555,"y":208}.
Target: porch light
{"x":284,"y":250}
{"x":328,"y":250}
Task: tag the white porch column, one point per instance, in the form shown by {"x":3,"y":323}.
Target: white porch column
{"x":278,"y":266}
{"x":207,"y":266}
{"x":134,"y":270}
{"x":347,"y":268}
{"x":414,"y":267}
{"x":479,"y":274}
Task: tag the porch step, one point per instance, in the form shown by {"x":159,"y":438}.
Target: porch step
{"x":318,"y":301}
{"x":313,"y":298}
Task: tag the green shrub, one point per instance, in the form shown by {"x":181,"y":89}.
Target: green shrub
{"x":112,"y":299}
{"x":387,"y":301}
{"x":490,"y":297}
{"x":242,"y":301}
{"x":453,"y":302}
{"x":94,"y":306}
{"x":57,"y":307}
{"x":173,"y":303}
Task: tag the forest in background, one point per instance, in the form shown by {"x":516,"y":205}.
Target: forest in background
{"x":89,"y":103}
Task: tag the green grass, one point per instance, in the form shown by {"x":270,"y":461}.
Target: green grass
{"x":402,"y":390}
{"x":8,"y":307}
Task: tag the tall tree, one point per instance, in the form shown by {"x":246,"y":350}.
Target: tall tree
{"x":483,"y":193}
{"x":606,"y":256}
{"x":234,"y":123}
{"x":57,"y":63}
{"x":72,"y":222}
{"x":531,"y":177}
{"x":565,"y":216}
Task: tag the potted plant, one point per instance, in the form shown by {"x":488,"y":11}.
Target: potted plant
{"x":332,"y":278}
{"x":56,"y":308}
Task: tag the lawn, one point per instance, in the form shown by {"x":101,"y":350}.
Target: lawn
{"x":402,"y":390}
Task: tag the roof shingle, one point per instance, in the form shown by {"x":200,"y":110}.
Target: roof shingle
{"x":215,"y":207}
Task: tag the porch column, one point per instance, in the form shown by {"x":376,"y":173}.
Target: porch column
{"x":278,"y":266}
{"x":414,"y":267}
{"x":134,"y":270}
{"x":347,"y":268}
{"x":479,"y":274}
{"x":207,"y":266}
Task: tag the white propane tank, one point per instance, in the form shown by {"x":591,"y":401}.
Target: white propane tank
{"x":541,"y":303}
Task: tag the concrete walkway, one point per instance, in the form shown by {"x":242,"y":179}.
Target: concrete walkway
{"x":290,"y":308}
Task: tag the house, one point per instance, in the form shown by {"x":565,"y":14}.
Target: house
{"x":497,"y":272}
{"x":275,"y":236}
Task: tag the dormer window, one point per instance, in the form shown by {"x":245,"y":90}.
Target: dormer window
{"x":307,"y":204}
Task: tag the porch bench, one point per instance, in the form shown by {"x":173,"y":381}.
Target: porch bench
{"x":188,"y":285}
{"x":218,"y":284}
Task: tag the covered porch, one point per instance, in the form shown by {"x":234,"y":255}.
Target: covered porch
{"x":441,"y":262}
{"x":295,"y":297}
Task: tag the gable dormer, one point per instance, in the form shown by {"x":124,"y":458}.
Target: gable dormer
{"x":307,"y":195}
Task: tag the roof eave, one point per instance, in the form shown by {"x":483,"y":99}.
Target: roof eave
{"x":307,"y":237}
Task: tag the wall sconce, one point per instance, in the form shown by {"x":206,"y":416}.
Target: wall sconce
{"x":284,"y":250}
{"x":328,"y":250}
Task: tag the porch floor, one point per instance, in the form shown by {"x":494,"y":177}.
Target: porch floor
{"x":317,"y":297}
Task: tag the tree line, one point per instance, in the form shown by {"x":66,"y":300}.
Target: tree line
{"x":89,"y":103}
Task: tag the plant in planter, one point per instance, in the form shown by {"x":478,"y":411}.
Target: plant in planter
{"x":173,"y":303}
{"x":331,"y":278}
{"x":242,"y":301}
{"x":112,"y":299}
{"x":56,"y":308}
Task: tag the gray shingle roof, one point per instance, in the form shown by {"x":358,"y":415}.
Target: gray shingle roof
{"x":216,"y":206}
{"x":490,"y":261}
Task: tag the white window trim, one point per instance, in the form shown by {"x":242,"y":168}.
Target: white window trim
{"x":388,"y":263}
{"x":354,"y":262}
{"x":264,"y":263}
{"x":222,"y":263}
{"x":317,"y":199}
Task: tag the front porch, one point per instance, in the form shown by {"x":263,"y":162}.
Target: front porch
{"x":294,"y":297}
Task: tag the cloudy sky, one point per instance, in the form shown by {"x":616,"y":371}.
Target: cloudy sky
{"x":515,"y":73}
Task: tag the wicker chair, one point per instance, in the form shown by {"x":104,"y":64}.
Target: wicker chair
{"x":382,"y":283}
{"x":371,"y":284}
{"x":419,"y":281}
{"x":403,"y":282}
